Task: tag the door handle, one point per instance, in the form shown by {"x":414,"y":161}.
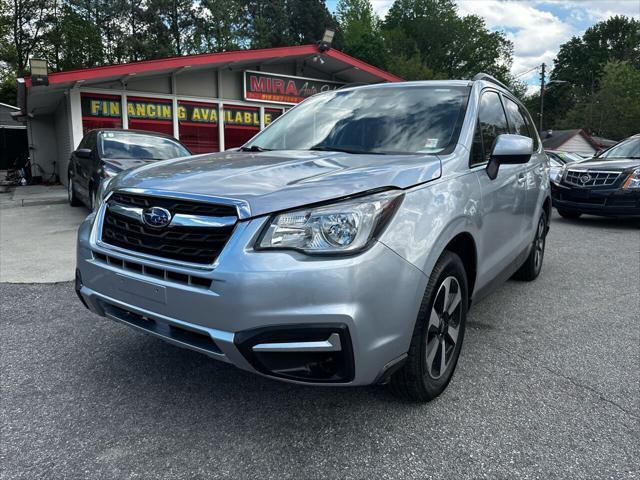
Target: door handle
{"x":522,"y":178}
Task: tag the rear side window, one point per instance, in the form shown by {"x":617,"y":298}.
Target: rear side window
{"x":517,"y":123}
{"x":492,"y":122}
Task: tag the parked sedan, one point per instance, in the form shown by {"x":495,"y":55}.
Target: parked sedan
{"x":102,"y":154}
{"x":558,"y":159}
{"x":606,"y":185}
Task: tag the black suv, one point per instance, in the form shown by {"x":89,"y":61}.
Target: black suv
{"x":606,"y":185}
{"x":102,"y":154}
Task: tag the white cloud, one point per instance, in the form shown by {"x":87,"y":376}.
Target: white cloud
{"x":536,"y":34}
{"x":535,"y":31}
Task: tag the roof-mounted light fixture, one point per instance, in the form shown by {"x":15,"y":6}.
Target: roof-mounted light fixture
{"x":39,"y":72}
{"x":327,"y":39}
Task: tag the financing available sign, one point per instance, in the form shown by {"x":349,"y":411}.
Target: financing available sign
{"x":274,"y":88}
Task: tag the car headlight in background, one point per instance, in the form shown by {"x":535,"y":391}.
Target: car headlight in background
{"x":343,"y":227}
{"x":633,"y":180}
{"x":103,"y":189}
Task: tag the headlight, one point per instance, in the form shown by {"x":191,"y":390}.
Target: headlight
{"x":344,"y":227}
{"x":633,"y":180}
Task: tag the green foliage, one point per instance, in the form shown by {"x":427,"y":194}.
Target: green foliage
{"x":361,"y":34}
{"x":581,"y":60}
{"x":614,"y":110}
{"x":447,"y":44}
{"x":595,"y":66}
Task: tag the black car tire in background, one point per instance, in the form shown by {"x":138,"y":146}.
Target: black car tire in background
{"x":71,"y":193}
{"x":568,"y":215}
{"x":532,"y":266}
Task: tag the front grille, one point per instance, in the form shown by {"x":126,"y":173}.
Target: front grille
{"x":194,"y":244}
{"x":590,"y":178}
{"x":160,"y":273}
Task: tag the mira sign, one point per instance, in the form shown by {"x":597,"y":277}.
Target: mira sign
{"x":273,"y":88}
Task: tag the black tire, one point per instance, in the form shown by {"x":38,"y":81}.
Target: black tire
{"x":532,"y":266}
{"x":569,"y":215}
{"x":92,"y":198}
{"x":418,"y":378}
{"x":71,"y":193}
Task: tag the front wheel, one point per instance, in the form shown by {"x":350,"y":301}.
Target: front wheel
{"x":71,"y":193}
{"x":438,"y":333}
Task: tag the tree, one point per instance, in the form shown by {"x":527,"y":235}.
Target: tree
{"x":220,"y":25}
{"x":614,"y":110}
{"x":448,"y":45}
{"x":582,"y":60}
{"x":361,"y":33}
{"x":278,"y":23}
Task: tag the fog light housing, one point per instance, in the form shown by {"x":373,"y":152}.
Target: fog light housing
{"x":319,"y":353}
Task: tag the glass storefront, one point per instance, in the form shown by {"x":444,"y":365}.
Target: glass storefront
{"x":240,"y":124}
{"x":198,"y":126}
{"x":100,"y":111}
{"x":198,"y":121}
{"x":151,"y":114}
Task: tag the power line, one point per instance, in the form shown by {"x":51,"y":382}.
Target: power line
{"x":524,"y":73}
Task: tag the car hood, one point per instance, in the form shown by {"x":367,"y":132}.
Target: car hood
{"x":596,"y":164}
{"x":121,"y":164}
{"x":267,"y":182}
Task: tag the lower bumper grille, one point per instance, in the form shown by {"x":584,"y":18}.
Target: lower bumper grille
{"x":194,"y":244}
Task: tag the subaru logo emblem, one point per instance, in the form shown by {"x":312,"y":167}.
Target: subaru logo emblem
{"x":585,"y":178}
{"x":156,"y":217}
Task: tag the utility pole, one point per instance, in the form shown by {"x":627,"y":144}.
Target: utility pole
{"x":541,"y":96}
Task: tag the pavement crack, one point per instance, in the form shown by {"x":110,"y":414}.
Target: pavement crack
{"x":574,"y":382}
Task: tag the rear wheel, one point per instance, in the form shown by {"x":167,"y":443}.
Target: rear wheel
{"x":438,"y":333}
{"x":71,"y":193}
{"x":532,"y":266}
{"x":570,"y":215}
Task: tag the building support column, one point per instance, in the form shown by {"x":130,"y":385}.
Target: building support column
{"x":174,"y":107}
{"x":75,"y":110}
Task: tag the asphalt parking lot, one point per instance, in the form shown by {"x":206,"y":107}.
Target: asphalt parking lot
{"x":548,"y":386}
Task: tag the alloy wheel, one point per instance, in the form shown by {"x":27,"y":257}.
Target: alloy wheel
{"x":443,"y":327}
{"x":538,"y":244}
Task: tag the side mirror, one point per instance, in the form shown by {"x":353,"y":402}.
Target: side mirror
{"x":83,"y":153}
{"x":509,"y":149}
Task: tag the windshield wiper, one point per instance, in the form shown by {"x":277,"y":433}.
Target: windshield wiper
{"x":325,"y":148}
{"x":254,"y":148}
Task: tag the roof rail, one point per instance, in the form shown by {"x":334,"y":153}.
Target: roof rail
{"x":489,"y":78}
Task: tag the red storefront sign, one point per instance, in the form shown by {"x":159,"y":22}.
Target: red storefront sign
{"x":273,"y":88}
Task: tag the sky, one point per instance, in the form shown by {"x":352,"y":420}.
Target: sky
{"x":537,"y":28}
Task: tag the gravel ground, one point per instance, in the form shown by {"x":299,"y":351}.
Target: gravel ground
{"x":548,"y":386}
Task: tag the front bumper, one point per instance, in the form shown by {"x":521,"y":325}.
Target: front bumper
{"x":613,"y":202}
{"x":366,"y":303}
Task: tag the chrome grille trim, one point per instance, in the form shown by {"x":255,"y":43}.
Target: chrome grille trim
{"x":596,"y":178}
{"x":192,"y":241}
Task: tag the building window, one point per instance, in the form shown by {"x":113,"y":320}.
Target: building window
{"x":198,"y":126}
{"x":151,"y":114}
{"x":240,"y":124}
{"x":270,"y":114}
{"x":100,"y":111}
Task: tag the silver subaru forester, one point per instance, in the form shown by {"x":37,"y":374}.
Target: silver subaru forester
{"x":342,"y":245}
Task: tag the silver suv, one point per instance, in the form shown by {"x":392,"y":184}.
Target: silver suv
{"x":343,"y":245}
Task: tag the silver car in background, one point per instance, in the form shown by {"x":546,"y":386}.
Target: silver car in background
{"x":343,"y":245}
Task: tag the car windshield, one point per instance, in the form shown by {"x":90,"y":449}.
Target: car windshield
{"x":627,"y":149}
{"x":382,"y":120}
{"x":129,"y":145}
{"x":567,"y":157}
